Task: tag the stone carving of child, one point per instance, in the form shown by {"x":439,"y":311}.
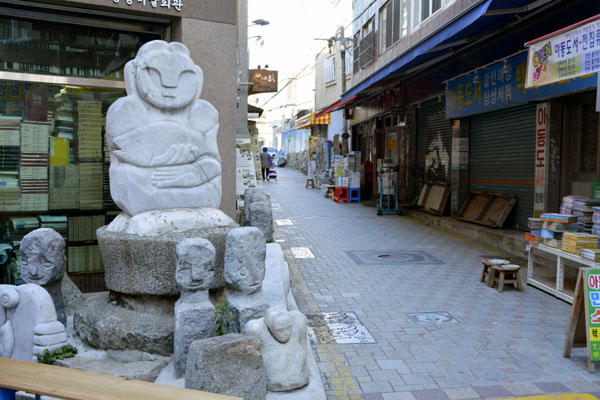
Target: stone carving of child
{"x":194,"y":312}
{"x":43,"y":263}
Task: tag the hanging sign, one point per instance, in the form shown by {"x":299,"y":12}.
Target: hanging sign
{"x":541,"y":146}
{"x":569,"y":53}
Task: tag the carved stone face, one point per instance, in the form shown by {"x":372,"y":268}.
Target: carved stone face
{"x":279,"y":323}
{"x":245,"y":277}
{"x":43,"y":257}
{"x":167,"y":80}
{"x":195,"y":269}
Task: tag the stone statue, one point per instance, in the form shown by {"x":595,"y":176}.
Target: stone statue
{"x":28,"y":322}
{"x":43,"y":263}
{"x":162,"y":138}
{"x":194,"y":312}
{"x":244,"y":271}
{"x":283,"y":337}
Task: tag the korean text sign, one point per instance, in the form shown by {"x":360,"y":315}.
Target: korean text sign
{"x":501,"y":85}
{"x":593,"y":298}
{"x":568,"y":54}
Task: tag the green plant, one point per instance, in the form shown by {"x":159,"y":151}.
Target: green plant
{"x":67,"y":351}
{"x":223,"y":318}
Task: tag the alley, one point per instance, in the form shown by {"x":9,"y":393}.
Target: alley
{"x":439,"y":333}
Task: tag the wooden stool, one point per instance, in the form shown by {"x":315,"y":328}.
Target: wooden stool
{"x":329,"y":191}
{"x":488,"y":262}
{"x":312,"y":183}
{"x":508,"y":273}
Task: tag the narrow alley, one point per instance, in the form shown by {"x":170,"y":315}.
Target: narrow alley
{"x":431,"y":330}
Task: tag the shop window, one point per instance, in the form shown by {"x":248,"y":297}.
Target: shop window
{"x":392,"y":23}
{"x":364,"y":46}
{"x":330,"y":70}
{"x":348,"y":60}
{"x":423,"y":9}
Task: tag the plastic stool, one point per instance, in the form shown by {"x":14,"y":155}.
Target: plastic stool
{"x":354,"y":195}
{"x":340,"y":194}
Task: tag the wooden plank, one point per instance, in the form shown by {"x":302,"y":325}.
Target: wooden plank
{"x":476,"y":204}
{"x":423,"y":195}
{"x":67,"y":383}
{"x":576,"y":329}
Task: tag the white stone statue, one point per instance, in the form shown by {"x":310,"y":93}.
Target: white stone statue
{"x":283,"y":337}
{"x":43,"y":263}
{"x":276,"y":284}
{"x":162,"y":138}
{"x":244,"y":270}
{"x":194,"y":312}
{"x":28,"y":322}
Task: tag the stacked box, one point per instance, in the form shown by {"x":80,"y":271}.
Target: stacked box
{"x":64,"y":188}
{"x":84,"y":259}
{"x":90,"y":186}
{"x":89,"y":130}
{"x":83,"y":228}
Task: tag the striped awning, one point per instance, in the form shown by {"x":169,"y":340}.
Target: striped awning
{"x":322,"y":120}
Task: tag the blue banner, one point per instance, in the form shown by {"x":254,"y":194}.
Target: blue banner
{"x":502,"y":85}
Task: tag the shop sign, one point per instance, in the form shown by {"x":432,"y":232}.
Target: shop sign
{"x":502,"y":85}
{"x":176,"y":4}
{"x":596,"y":190}
{"x":592,"y":297}
{"x":263,"y":80}
{"x":541,"y":146}
{"x":570,"y":53}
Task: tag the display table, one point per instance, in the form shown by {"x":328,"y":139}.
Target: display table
{"x":555,"y":287}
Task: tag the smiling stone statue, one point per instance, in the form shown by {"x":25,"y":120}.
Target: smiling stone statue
{"x":162,"y":138}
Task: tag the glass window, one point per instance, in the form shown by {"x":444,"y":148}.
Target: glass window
{"x":423,"y":9}
{"x":49,"y":48}
{"x":330,"y":70}
{"x":392,"y":23}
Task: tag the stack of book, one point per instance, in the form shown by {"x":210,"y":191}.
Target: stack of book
{"x":84,"y":259}
{"x":33,"y":170}
{"x":89,"y":130}
{"x":10,"y":154}
{"x":20,"y":226}
{"x":591,"y":254}
{"x":583,"y":208}
{"x":83,"y":227}
{"x":107,"y":199}
{"x":554,"y":226}
{"x":574,"y":242}
{"x":535,"y":230}
{"x":64,"y":125}
{"x":567,"y":204}
{"x":64,"y":188}
{"x":56,"y":222}
{"x":90,"y":186}
{"x":596,"y":221}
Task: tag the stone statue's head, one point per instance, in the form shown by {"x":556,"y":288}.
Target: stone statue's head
{"x":164,"y":75}
{"x":279,"y":323}
{"x":43,"y":257}
{"x":195,"y":269}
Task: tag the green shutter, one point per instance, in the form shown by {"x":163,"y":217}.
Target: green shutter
{"x":502,"y":158}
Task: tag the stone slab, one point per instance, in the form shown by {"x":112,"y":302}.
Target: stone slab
{"x":147,"y":370}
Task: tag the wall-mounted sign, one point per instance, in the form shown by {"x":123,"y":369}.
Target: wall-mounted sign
{"x":541,"y":146}
{"x":566,"y":54}
{"x":176,"y":4}
{"x":502,"y":85}
{"x":263,"y":81}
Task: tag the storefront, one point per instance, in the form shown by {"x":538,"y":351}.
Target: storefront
{"x":61,"y":68}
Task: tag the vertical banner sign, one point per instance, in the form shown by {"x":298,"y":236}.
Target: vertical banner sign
{"x":592,"y":298}
{"x":541,"y":146}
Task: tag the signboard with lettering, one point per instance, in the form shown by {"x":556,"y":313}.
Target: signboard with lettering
{"x":176,"y":4}
{"x":541,"y":146}
{"x":569,"y":53}
{"x":263,"y":81}
{"x":502,"y":85}
{"x":592,"y":297}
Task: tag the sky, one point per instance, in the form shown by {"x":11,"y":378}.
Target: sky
{"x":289,"y":47}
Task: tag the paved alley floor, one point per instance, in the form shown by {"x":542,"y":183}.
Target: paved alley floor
{"x":413,"y":318}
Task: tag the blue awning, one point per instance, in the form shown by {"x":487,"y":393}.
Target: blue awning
{"x":456,"y":32}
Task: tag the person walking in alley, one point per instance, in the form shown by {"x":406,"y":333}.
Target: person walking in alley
{"x":265,"y":164}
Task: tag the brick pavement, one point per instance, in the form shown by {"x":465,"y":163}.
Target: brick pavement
{"x":499,"y":345}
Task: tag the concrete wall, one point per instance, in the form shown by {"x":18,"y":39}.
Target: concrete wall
{"x":209,"y":29}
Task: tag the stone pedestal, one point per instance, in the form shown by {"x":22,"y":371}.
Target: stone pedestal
{"x":139,"y":255}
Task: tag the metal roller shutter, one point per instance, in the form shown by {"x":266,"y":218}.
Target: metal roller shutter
{"x":434,"y":141}
{"x":502,"y":158}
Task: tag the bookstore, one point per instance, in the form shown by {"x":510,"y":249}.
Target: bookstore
{"x":60,"y":70}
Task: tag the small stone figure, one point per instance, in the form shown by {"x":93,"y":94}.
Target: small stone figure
{"x":244,"y":272}
{"x":283,"y":337}
{"x":194,"y":312}
{"x":28,"y":322}
{"x":162,"y":138}
{"x":43,"y":263}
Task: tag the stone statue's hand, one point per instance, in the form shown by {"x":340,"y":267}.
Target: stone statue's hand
{"x":49,"y":335}
{"x":176,"y":154}
{"x":176,"y":176}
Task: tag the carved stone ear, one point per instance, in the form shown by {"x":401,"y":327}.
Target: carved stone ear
{"x":179,"y":48}
{"x":200,"y":75}
{"x":9,"y":296}
{"x":154,"y":45}
{"x":129,"y":72}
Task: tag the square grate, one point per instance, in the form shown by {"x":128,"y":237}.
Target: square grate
{"x":302,"y":252}
{"x":339,"y":327}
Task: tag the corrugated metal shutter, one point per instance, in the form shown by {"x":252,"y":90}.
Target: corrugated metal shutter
{"x":434,"y":141}
{"x":502,"y":158}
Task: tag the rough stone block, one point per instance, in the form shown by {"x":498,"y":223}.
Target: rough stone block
{"x":261,"y":217}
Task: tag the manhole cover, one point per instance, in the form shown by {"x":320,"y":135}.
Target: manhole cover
{"x":394,"y":257}
{"x":282,"y":222}
{"x":338,"y":327}
{"x":302,"y":252}
{"x":432,"y":318}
